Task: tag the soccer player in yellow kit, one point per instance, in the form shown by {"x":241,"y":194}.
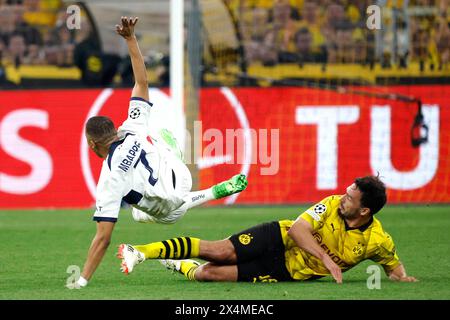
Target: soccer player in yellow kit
{"x":329,"y":238}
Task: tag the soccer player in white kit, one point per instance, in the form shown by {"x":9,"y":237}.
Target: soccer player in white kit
{"x":146,"y":172}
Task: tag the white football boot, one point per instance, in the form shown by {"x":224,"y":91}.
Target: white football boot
{"x":175,"y":265}
{"x":130,"y":257}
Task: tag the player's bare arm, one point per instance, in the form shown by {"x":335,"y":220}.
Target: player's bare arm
{"x":98,"y":248}
{"x":399,"y":274}
{"x":301,"y":233}
{"x":126,"y":30}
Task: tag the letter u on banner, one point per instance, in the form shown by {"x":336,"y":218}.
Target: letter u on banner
{"x":380,"y":150}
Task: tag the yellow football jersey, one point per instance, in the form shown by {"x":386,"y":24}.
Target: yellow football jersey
{"x":346,"y":246}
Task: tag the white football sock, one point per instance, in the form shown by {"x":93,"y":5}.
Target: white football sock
{"x":196,"y":198}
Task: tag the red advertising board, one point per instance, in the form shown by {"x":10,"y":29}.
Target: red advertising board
{"x":326,"y":139}
{"x":295,"y":144}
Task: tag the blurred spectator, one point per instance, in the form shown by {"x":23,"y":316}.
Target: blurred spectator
{"x":35,"y":55}
{"x":2,"y":68}
{"x":360,"y":47}
{"x":7,"y":19}
{"x":284,"y":24}
{"x":310,"y":19}
{"x":420,"y":41}
{"x":270,"y":33}
{"x":2,"y":48}
{"x":442,"y":39}
{"x":260,"y":44}
{"x":41,"y":13}
{"x":30,"y":33}
{"x":4,"y":82}
{"x":344,"y":44}
{"x":16,"y":49}
{"x":305,"y":52}
{"x":97,"y":68}
{"x":163,"y":71}
{"x":335,"y":20}
{"x":60,"y":46}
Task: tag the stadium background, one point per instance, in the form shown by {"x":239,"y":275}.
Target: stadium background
{"x":334,"y":99}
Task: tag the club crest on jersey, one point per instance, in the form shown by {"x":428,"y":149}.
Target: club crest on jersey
{"x":245,"y":238}
{"x":316,"y":211}
{"x":135,"y":113}
{"x":358,"y":250}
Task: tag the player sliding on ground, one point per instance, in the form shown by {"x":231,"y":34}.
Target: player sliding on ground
{"x":327,"y":239}
{"x":147,"y":173}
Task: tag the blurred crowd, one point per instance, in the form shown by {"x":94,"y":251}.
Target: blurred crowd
{"x":34,"y":32}
{"x":335,"y":31}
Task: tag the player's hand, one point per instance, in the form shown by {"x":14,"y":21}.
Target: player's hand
{"x":408,"y":279}
{"x":399,"y":274}
{"x":403,"y":279}
{"x":334,"y":269}
{"x":126,"y":29}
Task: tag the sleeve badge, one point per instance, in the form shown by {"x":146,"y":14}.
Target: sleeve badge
{"x":320,"y":208}
{"x":135,"y":113}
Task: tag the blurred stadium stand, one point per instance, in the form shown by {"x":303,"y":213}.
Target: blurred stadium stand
{"x":251,"y":42}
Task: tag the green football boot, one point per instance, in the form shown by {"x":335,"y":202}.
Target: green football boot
{"x":236,"y":184}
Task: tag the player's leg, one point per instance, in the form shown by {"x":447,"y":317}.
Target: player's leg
{"x":141,"y":216}
{"x":240,"y":248}
{"x":214,"y":272}
{"x":183,"y":186}
{"x":175,"y":248}
{"x":226,"y":188}
{"x":170,"y":140}
{"x":205,"y":272}
{"x":221,"y":251}
{"x":253,"y":255}
{"x":270,"y":267}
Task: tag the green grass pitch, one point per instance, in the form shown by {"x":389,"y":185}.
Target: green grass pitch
{"x":38,"y":246}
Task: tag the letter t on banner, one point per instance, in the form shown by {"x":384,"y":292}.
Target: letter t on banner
{"x":327,"y":119}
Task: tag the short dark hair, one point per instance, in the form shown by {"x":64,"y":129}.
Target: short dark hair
{"x":101,"y":129}
{"x":373,"y":193}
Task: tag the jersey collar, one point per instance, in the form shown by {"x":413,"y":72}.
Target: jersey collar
{"x":113,"y":147}
{"x":360,"y":228}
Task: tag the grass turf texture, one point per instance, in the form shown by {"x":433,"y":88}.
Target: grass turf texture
{"x":38,"y":246}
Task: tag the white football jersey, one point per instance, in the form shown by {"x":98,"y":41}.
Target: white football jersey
{"x":137,"y":170}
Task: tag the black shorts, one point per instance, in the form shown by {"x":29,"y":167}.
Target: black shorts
{"x":260,"y":254}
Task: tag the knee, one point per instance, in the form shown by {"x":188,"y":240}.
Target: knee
{"x":228,"y":253}
{"x":224,"y":252}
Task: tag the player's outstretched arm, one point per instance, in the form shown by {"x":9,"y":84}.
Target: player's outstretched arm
{"x":399,"y":274}
{"x":301,"y":233}
{"x":126,"y":30}
{"x":97,"y":250}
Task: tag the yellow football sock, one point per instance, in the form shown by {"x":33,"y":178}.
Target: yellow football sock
{"x":176,"y":248}
{"x":188,"y":269}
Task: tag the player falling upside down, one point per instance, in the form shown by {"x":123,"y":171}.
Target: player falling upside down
{"x":147,"y":173}
{"x":327,"y":239}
